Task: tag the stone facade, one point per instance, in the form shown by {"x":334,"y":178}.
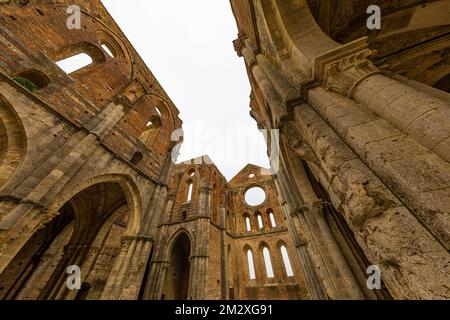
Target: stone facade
{"x":212,"y":219}
{"x":364,"y":175}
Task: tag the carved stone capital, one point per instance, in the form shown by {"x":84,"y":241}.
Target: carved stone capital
{"x":239,"y":44}
{"x":296,"y":142}
{"x":301,"y":242}
{"x":344,"y":75}
{"x":342,"y":69}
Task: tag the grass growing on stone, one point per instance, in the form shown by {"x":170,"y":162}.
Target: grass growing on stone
{"x":30,"y":85}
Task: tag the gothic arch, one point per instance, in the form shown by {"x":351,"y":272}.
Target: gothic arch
{"x":250,"y":259}
{"x":38,"y":270}
{"x":128,"y":187}
{"x":13,"y":142}
{"x":178,"y":274}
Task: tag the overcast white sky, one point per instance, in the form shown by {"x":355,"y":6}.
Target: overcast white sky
{"x":188,"y":46}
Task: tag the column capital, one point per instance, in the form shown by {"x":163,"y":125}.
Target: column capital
{"x":136,"y":238}
{"x":163,"y":263}
{"x":342,"y":69}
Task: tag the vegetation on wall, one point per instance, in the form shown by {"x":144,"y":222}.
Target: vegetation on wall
{"x":28,"y":84}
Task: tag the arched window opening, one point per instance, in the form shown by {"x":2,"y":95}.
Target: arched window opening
{"x":260,"y":221}
{"x":272,"y":219}
{"x":108,"y":50}
{"x":287,"y":262}
{"x":191,"y":173}
{"x":32,"y":80}
{"x":158,"y":111}
{"x":110,"y":45}
{"x":152,"y":130}
{"x":75,"y":63}
{"x":137,"y":157}
{"x":190,"y":189}
{"x":251,"y":265}
{"x":248,"y":224}
{"x":184,"y":215}
{"x":268,"y":263}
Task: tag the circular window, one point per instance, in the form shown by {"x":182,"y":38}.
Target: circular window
{"x":251,"y":175}
{"x":255,"y":196}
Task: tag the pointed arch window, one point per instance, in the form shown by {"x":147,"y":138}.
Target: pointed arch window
{"x":260,"y":221}
{"x":251,"y":265}
{"x":248,"y":224}
{"x":152,"y":130}
{"x":268,"y":263}
{"x":272,"y":219}
{"x":190,"y":189}
{"x":287,"y":262}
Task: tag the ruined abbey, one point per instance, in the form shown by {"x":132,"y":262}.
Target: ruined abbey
{"x":360,"y":177}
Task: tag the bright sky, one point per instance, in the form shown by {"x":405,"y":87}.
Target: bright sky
{"x":188,"y":46}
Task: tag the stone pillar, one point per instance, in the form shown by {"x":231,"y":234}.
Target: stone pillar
{"x":199,"y":261}
{"x":383,"y":226}
{"x":156,"y":280}
{"x":401,"y":132}
{"x":225,"y":277}
{"x":423,"y":116}
{"x":127,"y":274}
{"x":328,"y":253}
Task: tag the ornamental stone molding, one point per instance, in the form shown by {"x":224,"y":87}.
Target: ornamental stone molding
{"x":341,"y":70}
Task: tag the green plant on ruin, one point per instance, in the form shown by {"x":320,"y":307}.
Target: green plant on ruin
{"x":28,"y":84}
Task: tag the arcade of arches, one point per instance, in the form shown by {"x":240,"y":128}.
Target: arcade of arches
{"x":363,"y":173}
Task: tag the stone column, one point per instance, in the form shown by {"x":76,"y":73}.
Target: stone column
{"x":156,"y":280}
{"x":423,"y":116}
{"x":225,"y":277}
{"x":199,"y":259}
{"x":401,"y":132}
{"x":383,"y":226}
{"x":328,"y":253}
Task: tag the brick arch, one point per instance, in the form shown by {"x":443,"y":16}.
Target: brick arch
{"x":168,"y":115}
{"x":276,"y":217}
{"x":281,"y":243}
{"x":13,"y":142}
{"x":243,"y":224}
{"x":256,"y":215}
{"x":263,"y":245}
